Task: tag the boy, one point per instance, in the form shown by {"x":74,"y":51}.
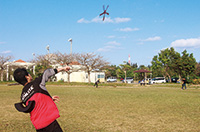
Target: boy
{"x":184,"y":83}
{"x":38,"y":102}
{"x":96,"y":83}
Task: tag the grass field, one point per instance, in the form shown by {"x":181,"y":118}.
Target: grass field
{"x":136,"y":108}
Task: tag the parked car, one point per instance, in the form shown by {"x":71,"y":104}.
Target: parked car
{"x":158,"y":80}
{"x":128,"y":80}
{"x":112,"y":79}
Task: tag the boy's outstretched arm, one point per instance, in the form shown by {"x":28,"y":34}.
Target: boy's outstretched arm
{"x":66,"y":68}
{"x":50,"y":72}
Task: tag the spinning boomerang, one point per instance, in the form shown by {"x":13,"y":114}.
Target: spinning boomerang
{"x":104,"y":12}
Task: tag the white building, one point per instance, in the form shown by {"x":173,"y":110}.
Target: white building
{"x":81,"y":76}
{"x":18,"y":63}
{"x":77,"y":74}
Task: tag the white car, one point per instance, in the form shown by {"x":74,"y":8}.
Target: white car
{"x":128,"y":80}
{"x":112,"y":79}
{"x":158,"y":80}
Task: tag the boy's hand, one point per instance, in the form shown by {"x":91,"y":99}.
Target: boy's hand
{"x":55,"y":98}
{"x":66,"y":68}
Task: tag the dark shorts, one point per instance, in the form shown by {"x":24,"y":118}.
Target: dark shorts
{"x":53,"y":127}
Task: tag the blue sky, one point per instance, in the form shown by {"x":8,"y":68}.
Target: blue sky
{"x":139,"y":28}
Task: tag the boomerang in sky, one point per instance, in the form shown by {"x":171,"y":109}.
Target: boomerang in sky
{"x":104,"y":12}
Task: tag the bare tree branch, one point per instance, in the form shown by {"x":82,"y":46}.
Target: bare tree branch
{"x":91,"y":61}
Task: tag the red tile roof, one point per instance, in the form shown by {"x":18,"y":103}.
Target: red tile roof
{"x":72,"y":63}
{"x":21,"y":61}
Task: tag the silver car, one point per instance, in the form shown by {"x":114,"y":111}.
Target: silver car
{"x":112,"y":79}
{"x":128,"y":80}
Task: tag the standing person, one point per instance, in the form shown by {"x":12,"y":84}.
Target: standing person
{"x":96,"y":83}
{"x":37,"y":101}
{"x":184,"y":83}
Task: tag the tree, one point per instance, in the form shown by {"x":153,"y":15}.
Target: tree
{"x":134,"y":65}
{"x":176,"y":64}
{"x":156,"y":66}
{"x":66,"y":59}
{"x":164,"y":63}
{"x":91,"y":61}
{"x":3,"y":60}
{"x":171,"y":63}
{"x":43,"y":62}
{"x":188,"y":63}
{"x":119,"y":73}
{"x":110,"y":70}
{"x":126,"y":68}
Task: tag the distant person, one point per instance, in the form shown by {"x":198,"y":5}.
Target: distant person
{"x":184,"y":83}
{"x":96,"y":83}
{"x":36,"y":100}
{"x":142,"y":82}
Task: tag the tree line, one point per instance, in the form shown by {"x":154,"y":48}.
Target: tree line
{"x":168,"y":63}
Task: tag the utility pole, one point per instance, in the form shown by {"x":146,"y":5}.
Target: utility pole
{"x":70,"y":40}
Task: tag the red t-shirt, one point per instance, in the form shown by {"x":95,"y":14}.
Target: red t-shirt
{"x":45,"y":110}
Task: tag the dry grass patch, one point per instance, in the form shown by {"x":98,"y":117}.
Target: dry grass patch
{"x":107,"y":109}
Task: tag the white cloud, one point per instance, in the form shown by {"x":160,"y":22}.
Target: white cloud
{"x":183,"y":43}
{"x":156,"y":38}
{"x":107,"y":20}
{"x":120,"y":20}
{"x":6,"y":52}
{"x":110,"y":46}
{"x":113,"y":43}
{"x":98,"y":19}
{"x":82,"y":20}
{"x":128,"y":29}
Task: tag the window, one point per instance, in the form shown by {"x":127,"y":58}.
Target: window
{"x":100,"y":76}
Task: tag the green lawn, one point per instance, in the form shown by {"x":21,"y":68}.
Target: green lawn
{"x":136,"y":108}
